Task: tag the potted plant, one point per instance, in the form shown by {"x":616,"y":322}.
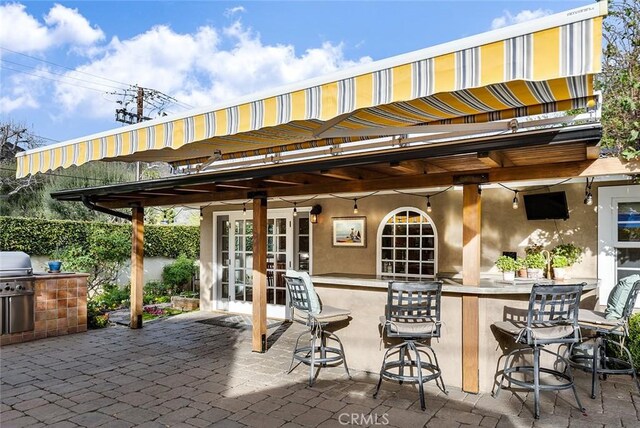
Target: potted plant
{"x":559,"y":264}
{"x":55,"y":264}
{"x":571,"y":252}
{"x":535,"y":263}
{"x":508,"y":267}
{"x":521,"y":271}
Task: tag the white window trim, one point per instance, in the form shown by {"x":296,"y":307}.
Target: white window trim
{"x":379,"y":238}
{"x":608,"y":199}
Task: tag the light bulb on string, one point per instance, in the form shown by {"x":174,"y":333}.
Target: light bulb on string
{"x":355,"y":206}
{"x":244,"y":209}
{"x":429,"y":209}
{"x":295,"y":209}
{"x":201,"y":216}
{"x":588,"y":200}
{"x":515,"y":200}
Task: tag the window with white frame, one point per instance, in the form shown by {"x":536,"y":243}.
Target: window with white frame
{"x":407,"y":244}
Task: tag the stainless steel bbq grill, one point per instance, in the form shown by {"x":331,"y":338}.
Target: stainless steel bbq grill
{"x":17,"y":300}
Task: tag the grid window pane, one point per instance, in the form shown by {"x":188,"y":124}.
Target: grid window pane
{"x":629,"y":222}
{"x":408,"y":245}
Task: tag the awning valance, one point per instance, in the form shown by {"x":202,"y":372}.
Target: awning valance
{"x":541,"y":66}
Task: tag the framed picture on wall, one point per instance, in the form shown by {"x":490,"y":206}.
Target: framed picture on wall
{"x":349,"y":231}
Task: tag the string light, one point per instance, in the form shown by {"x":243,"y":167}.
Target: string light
{"x":355,"y":206}
{"x":295,"y":209}
{"x":588,"y":197}
{"x":201,"y":216}
{"x":515,"y":200}
{"x":429,"y":209}
{"x":244,"y":209}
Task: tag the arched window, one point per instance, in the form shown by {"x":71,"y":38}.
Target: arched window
{"x":407,"y":244}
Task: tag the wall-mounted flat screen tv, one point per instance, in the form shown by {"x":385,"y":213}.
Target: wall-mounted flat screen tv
{"x":546,"y":206}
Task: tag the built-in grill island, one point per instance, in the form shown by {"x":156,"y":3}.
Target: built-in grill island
{"x":38,"y":305}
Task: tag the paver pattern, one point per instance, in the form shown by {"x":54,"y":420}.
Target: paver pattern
{"x":181,"y":373}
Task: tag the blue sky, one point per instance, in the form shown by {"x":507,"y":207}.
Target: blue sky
{"x":56,"y":56}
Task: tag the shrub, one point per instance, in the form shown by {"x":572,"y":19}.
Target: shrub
{"x":178,"y":275}
{"x":156,"y":292}
{"x":113,"y":297}
{"x":42,"y":237}
{"x":559,"y":261}
{"x":634,"y":339}
{"x":96,"y":318}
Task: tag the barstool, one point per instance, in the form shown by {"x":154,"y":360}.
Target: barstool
{"x":598,"y":362}
{"x":412,"y":314}
{"x":317,"y":353}
{"x":552,"y":318}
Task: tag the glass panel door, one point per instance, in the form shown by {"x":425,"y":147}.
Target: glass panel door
{"x":235,"y":258}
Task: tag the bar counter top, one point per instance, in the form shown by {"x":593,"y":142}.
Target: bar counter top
{"x":452,"y":283}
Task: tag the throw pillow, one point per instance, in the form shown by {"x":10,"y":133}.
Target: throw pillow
{"x":618,"y":297}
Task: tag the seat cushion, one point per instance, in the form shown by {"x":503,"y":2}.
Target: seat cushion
{"x":331,"y":314}
{"x":588,"y":318}
{"x":618,"y":297}
{"x":538,"y":331}
{"x":314,"y":301}
{"x":409,"y":328}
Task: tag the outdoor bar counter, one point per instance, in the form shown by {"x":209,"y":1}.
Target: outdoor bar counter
{"x":365,"y":296}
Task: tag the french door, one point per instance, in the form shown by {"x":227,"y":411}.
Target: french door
{"x":235,"y":262}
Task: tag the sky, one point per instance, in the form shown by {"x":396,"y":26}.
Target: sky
{"x":65,"y":65}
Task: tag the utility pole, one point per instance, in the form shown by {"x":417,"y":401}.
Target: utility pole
{"x":140,"y":104}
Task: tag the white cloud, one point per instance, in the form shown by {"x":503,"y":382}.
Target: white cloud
{"x":195,"y":68}
{"x":233,"y":10}
{"x":526,"y":15}
{"x":21,"y":32}
{"x":22,"y":92}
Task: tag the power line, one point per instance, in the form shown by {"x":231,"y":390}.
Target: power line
{"x":60,"y":74}
{"x":63,"y":66}
{"x":49,"y":78}
{"x":88,"y":74}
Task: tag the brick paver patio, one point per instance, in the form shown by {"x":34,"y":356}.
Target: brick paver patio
{"x":179,"y":372}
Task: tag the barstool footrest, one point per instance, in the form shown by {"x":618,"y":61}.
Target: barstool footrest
{"x":544,"y":387}
{"x":386,"y":374}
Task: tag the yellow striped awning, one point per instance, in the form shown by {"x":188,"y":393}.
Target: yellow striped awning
{"x":541,"y":66}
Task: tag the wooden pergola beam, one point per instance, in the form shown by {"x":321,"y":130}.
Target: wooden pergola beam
{"x":259,"y":306}
{"x":492,"y":159}
{"x":471,"y":252}
{"x":137,"y":266}
{"x":587,"y":168}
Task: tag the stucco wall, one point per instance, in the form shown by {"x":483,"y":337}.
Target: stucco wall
{"x":503,"y":229}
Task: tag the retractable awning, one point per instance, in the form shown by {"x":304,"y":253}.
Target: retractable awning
{"x":541,"y":66}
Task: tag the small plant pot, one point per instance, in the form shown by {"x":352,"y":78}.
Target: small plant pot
{"x":522,"y":273}
{"x":559,"y":273}
{"x":509,"y":276}
{"x":534,"y":273}
{"x":54,"y":266}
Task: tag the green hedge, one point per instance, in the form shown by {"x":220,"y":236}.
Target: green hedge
{"x":40,"y":237}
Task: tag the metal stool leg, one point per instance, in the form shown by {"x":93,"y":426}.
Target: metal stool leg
{"x":412,"y":346}
{"x":312,"y":366}
{"x":384,"y":359}
{"x":594,"y":365}
{"x":536,"y":381}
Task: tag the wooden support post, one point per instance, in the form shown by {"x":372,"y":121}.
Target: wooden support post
{"x":259,"y":338}
{"x":137,"y":260}
{"x":471,"y":222}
